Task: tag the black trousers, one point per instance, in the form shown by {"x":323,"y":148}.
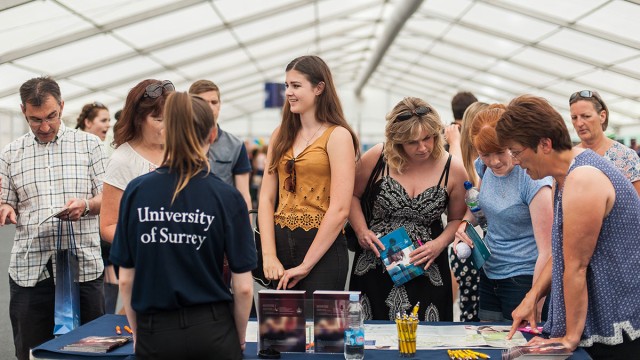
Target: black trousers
{"x":199,"y":332}
{"x":31,"y":310}
{"x":330,"y":273}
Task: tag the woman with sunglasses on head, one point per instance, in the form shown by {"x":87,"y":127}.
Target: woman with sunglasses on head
{"x":590,"y":118}
{"x":94,"y":119}
{"x":519,"y":216}
{"x":307,"y":186}
{"x":171,"y":267}
{"x":419,"y":183}
{"x":592,"y":279}
{"x":139,"y":141}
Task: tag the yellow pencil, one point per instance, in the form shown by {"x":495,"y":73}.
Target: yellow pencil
{"x":480,"y":355}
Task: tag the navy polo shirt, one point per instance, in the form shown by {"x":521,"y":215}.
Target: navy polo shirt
{"x":177,"y":249}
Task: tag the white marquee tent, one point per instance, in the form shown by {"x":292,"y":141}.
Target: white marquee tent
{"x":379,"y":51}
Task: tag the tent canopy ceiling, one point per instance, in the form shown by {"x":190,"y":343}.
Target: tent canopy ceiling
{"x":497,"y":49}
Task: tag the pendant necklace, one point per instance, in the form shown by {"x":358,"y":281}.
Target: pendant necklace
{"x":312,"y":136}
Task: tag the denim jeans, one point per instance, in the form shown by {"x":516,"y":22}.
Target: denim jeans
{"x":498,"y":298}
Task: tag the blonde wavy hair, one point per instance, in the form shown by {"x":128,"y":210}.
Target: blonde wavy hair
{"x":402,"y":132}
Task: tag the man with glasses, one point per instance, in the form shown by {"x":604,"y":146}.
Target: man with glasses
{"x":48,"y":169}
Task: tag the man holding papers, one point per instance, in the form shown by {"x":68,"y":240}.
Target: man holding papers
{"x":46,"y":170}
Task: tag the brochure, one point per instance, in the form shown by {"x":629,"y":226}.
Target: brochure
{"x":480,"y":251}
{"x":281,"y":321}
{"x":329,"y":320}
{"x":553,"y":351}
{"x":395,"y":256}
{"x":54,"y":214}
{"x":97,"y":344}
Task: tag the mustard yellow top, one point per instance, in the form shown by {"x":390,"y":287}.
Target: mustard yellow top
{"x":306,"y":207}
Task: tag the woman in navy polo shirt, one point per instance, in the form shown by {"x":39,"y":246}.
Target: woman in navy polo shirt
{"x":175,"y":225}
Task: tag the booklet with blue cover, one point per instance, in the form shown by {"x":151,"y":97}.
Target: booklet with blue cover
{"x":395,"y":256}
{"x":480,"y":252}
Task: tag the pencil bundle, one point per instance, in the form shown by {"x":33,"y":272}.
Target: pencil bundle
{"x":466,"y":354}
{"x":407,"y":326}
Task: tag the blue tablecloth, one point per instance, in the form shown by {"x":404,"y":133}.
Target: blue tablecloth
{"x":105,"y":326}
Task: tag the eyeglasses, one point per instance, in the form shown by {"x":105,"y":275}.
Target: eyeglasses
{"x":290,"y":181}
{"x":154,"y":91}
{"x":420,"y":111}
{"x":40,"y":121}
{"x":586,"y":94}
{"x":516,"y":154}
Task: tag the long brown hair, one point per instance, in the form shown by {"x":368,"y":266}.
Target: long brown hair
{"x":328,"y":107}
{"x":188,"y":122}
{"x":469,"y":153}
{"x":136,"y":109}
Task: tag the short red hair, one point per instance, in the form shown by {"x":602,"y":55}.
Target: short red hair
{"x":483,"y":129}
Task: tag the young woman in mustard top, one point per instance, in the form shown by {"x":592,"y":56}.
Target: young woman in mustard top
{"x":307,"y":189}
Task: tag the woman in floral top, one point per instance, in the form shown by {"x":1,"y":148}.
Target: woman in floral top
{"x":590,"y":117}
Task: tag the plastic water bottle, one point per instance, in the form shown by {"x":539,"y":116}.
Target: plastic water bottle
{"x":354,"y":333}
{"x":473,"y":202}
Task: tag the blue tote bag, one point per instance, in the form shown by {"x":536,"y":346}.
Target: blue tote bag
{"x":67,"y":306}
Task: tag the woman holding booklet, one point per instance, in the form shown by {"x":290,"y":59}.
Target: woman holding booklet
{"x":420,"y":182}
{"x":519,"y":216}
{"x":174,"y":226}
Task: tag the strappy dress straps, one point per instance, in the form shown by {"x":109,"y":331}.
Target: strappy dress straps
{"x":445,"y":173}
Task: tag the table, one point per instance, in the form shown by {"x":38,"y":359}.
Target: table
{"x":105,"y":326}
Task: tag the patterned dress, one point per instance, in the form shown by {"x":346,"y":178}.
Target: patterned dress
{"x":421,"y":217}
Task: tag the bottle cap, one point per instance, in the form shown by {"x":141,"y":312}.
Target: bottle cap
{"x":468,"y":185}
{"x":354,"y":297}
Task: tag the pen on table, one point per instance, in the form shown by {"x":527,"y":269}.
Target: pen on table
{"x":419,"y":241}
{"x":118,"y":330}
{"x":128,"y":329}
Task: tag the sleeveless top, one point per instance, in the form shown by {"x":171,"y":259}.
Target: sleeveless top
{"x":306,"y":207}
{"x":612,"y":276}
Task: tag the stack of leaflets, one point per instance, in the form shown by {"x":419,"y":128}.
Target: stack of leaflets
{"x":97,"y":344}
{"x":330,"y":320}
{"x":553,"y":351}
{"x":395,"y":256}
{"x":281,"y":321}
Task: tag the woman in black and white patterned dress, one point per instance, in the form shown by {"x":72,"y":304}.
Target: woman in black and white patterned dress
{"x":419,"y":183}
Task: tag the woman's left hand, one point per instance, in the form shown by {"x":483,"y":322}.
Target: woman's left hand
{"x":537,"y":340}
{"x":292,"y":276}
{"x":426,"y":254}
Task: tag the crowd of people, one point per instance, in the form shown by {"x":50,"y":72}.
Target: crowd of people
{"x":163,"y":223}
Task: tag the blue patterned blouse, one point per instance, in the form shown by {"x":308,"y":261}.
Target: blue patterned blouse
{"x":612,"y":277}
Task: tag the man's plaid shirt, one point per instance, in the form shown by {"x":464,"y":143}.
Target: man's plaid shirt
{"x":38,"y":179}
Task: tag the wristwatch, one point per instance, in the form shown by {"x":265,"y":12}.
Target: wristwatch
{"x":86,"y":208}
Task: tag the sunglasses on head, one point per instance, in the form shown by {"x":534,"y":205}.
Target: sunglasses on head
{"x":290,"y":181}
{"x":98,"y":104}
{"x":585,"y":94}
{"x":154,"y":91}
{"x":420,"y":111}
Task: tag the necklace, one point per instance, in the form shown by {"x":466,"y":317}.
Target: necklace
{"x":312,"y":136}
